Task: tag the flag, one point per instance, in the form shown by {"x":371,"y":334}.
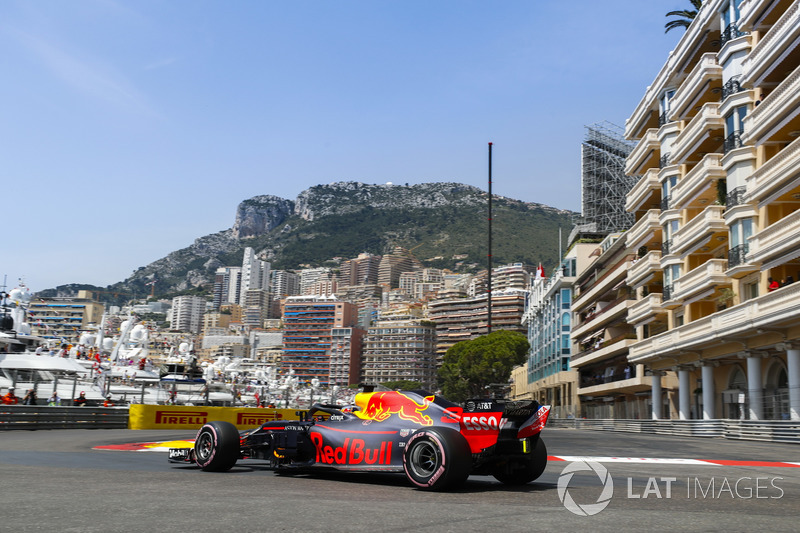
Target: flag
{"x":540,"y":272}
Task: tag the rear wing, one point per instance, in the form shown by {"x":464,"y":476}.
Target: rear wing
{"x":527,"y":416}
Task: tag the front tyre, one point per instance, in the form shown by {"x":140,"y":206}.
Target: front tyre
{"x":522,"y":471}
{"x":216,"y":448}
{"x":437,"y":458}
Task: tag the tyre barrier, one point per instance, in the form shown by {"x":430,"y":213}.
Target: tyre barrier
{"x":53,"y":417}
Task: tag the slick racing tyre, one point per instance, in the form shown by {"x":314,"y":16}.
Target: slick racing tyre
{"x":521,"y":471}
{"x":216,"y":448}
{"x":437,"y":458}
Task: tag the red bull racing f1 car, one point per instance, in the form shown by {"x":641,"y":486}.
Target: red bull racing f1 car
{"x":438,"y":444}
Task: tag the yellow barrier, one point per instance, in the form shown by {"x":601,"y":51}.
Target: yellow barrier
{"x":193,"y":417}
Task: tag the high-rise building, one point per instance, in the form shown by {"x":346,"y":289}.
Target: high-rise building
{"x":284,"y":283}
{"x":394,"y":264}
{"x":717,"y":208}
{"x":461,"y":319}
{"x":256,"y":308}
{"x":308,"y":322}
{"x":400,"y":348}
{"x":362,"y":270}
{"x":187,"y":313}
{"x":255,"y":274}
{"x":227,"y":286}
{"x":345,"y":356}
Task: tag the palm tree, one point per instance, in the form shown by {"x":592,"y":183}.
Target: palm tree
{"x":687,"y":16}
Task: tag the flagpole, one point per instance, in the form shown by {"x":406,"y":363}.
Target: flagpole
{"x":489,"y":256}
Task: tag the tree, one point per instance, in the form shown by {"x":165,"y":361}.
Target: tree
{"x":470,"y":367}
{"x":686,"y":16}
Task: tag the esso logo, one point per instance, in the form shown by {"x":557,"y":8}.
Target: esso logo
{"x":481,"y":422}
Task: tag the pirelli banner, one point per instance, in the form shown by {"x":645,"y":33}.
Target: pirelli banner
{"x":193,"y":417}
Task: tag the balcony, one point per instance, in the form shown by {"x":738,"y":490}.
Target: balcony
{"x":776,"y":243}
{"x":731,"y":87}
{"x":776,"y":177}
{"x":645,"y":155}
{"x":644,"y":269}
{"x":644,"y":193}
{"x":609,"y":349}
{"x":603,"y":317}
{"x":766,"y":57}
{"x":702,"y":134}
{"x":700,"y":183}
{"x":646,"y":230}
{"x":700,"y":281}
{"x":697,"y":88}
{"x":738,"y":265}
{"x":778,"y":112}
{"x":771,"y":310}
{"x":645,"y":310}
{"x":730,"y":33}
{"x":697,"y":232}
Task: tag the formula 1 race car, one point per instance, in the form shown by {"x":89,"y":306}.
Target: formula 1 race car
{"x":438,"y":444}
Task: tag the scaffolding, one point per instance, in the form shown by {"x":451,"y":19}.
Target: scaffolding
{"x":604,"y":184}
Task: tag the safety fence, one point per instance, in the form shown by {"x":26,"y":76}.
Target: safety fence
{"x":786,"y":431}
{"x":52,"y":417}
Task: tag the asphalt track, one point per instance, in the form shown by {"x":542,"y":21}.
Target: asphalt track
{"x":55,"y":481}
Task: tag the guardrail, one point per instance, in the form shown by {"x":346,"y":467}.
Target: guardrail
{"x":47,"y":417}
{"x":785,"y":431}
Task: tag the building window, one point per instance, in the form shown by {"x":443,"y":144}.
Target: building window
{"x":734,"y":128}
{"x":730,"y":21}
{"x":678,"y":320}
{"x":666,"y":191}
{"x":663,"y":106}
{"x":566,"y":298}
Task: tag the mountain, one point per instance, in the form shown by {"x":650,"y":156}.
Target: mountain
{"x":445,"y":224}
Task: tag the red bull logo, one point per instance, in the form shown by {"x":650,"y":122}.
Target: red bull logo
{"x":256,"y":419}
{"x":181,"y":417}
{"x":352,"y":452}
{"x":382,"y":405}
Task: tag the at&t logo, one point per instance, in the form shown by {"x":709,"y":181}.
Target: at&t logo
{"x":587,"y":509}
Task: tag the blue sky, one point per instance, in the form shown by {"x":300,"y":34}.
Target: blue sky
{"x":128,"y":129}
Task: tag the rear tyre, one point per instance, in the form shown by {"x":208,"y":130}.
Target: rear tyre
{"x":216,"y":448}
{"x":437,"y":458}
{"x":522,"y":471}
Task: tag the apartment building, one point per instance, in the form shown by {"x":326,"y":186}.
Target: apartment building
{"x":227,"y":284}
{"x":717,"y":208}
{"x":400,"y":348}
{"x":308,"y":322}
{"x":187,"y":313}
{"x":461,"y":319}
{"x":547,"y":376}
{"x":363,"y":270}
{"x":255,"y":274}
{"x":345,"y":356}
{"x":64,"y":318}
{"x":608,"y":386}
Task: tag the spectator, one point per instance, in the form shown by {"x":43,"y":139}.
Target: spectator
{"x":773,"y":284}
{"x":80,"y":401}
{"x":10,"y":398}
{"x":54,"y":399}
{"x":30,"y":398}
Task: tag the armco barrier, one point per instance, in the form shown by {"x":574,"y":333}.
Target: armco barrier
{"x":787,"y":431}
{"x":137,"y":416}
{"x":45,"y":417}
